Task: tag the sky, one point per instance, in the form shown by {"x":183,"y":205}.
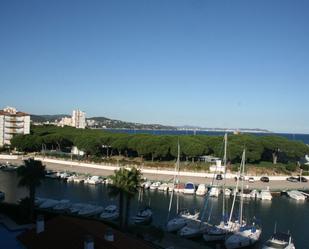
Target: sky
{"x":219,"y":63}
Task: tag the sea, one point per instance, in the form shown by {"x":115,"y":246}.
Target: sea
{"x":291,"y":136}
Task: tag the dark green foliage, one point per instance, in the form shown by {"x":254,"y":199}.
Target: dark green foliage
{"x":125,"y":185}
{"x":98,"y":143}
{"x":30,"y":176}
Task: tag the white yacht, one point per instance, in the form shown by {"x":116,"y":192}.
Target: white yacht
{"x":279,"y":241}
{"x":93,"y":180}
{"x":265,"y":195}
{"x":181,"y":220}
{"x":146,"y":185}
{"x":214,"y":191}
{"x":254,"y":193}
{"x":110,"y":213}
{"x":155,"y":185}
{"x":296,"y":195}
{"x":189,"y":188}
{"x":201,"y":190}
{"x":163,"y":187}
{"x":227,"y":192}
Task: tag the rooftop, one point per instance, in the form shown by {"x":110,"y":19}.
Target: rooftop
{"x":67,"y":232}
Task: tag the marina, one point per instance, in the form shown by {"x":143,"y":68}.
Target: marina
{"x":91,"y":200}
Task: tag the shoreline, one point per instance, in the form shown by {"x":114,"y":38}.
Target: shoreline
{"x":276,"y":183}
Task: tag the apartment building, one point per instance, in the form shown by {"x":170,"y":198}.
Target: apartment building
{"x":12,"y":122}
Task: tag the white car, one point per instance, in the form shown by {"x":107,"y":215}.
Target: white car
{"x":251,"y":179}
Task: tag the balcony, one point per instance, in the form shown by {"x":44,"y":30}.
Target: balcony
{"x":13,"y":119}
{"x":14,"y":125}
{"x":14,"y":130}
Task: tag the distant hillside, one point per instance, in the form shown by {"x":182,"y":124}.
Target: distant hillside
{"x":45,"y":118}
{"x":118,"y":124}
{"x":102,"y":122}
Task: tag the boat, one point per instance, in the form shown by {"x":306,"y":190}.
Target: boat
{"x":193,"y":229}
{"x":254,"y":193}
{"x":201,"y":190}
{"x":279,"y":240}
{"x":108,"y":181}
{"x":143,"y":216}
{"x":189,"y":188}
{"x":76,"y":207}
{"x":51,"y":174}
{"x":93,"y":180}
{"x":110,"y":213}
{"x":48,"y":203}
{"x":155,"y":185}
{"x":38,"y":201}
{"x":171,"y":187}
{"x":146,"y":185}
{"x":214,"y":191}
{"x":246,"y":193}
{"x":63,"y":205}
{"x":163,"y":187}
{"x":227,"y":192}
{"x":179,"y":188}
{"x":296,"y":195}
{"x":181,"y":220}
{"x":221,"y":231}
{"x":265,"y":195}
{"x":90,"y":210}
{"x":245,"y":235}
{"x":71,"y":178}
{"x":78,"y":179}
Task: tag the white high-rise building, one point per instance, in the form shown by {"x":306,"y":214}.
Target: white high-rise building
{"x":12,"y":123}
{"x":79,"y":119}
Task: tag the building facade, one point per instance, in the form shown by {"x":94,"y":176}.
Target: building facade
{"x":79,"y":119}
{"x":12,"y":123}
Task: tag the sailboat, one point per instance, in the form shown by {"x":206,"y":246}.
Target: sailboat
{"x":279,"y":240}
{"x":184,"y":216}
{"x":246,"y":235}
{"x":219,"y":232}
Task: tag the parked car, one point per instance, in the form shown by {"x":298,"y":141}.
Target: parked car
{"x":302,"y":179}
{"x":292,"y":179}
{"x":251,"y":179}
{"x":264,"y":179}
{"x":219,"y":177}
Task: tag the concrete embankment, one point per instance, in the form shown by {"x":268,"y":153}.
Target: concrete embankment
{"x":276,"y":182}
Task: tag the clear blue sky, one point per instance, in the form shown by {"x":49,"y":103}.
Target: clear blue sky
{"x":198,"y":62}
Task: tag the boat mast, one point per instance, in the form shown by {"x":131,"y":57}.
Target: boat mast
{"x":224,"y":163}
{"x":235,"y":194}
{"x":242,"y":186}
{"x":174,"y":181}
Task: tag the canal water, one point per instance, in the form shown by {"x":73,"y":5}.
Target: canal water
{"x":289,"y":215}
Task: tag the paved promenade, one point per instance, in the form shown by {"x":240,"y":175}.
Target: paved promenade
{"x":276,"y":183}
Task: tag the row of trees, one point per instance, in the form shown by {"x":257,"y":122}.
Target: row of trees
{"x":161,"y":147}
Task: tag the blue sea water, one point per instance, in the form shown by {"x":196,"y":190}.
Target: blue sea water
{"x":296,"y":137}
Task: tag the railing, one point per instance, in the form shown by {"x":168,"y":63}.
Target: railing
{"x":13,"y":125}
{"x":13,"y":130}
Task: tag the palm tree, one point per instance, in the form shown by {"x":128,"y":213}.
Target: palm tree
{"x":31,"y":175}
{"x":125,"y":185}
